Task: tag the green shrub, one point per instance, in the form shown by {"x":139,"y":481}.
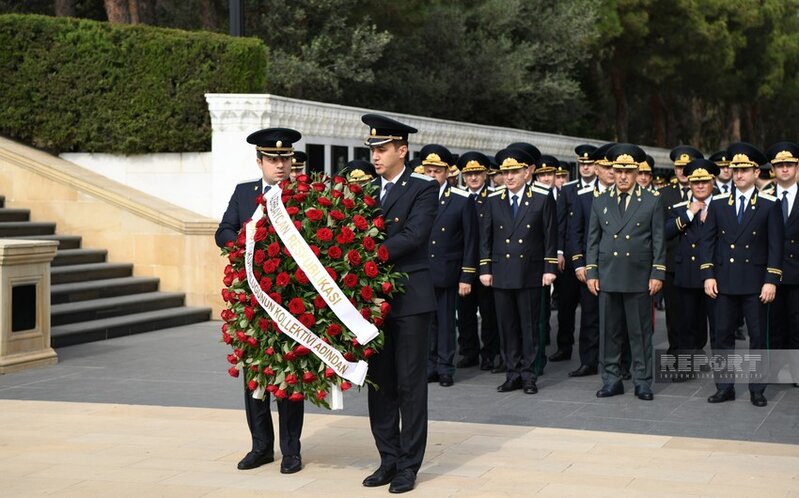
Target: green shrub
{"x":77,"y":85}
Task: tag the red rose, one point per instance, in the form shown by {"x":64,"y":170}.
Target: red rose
{"x":259,"y":256}
{"x":314,"y":214}
{"x":233,"y":372}
{"x":348,"y":203}
{"x":334,"y":329}
{"x":385,"y":308}
{"x":382,"y":253}
{"x":355,"y":342}
{"x":260,"y":234}
{"x":318,"y":186}
{"x":334,"y":252}
{"x":263,"y":324}
{"x":252,"y":342}
{"x":337,"y":215}
{"x":268,"y":371}
{"x":353,"y":257}
{"x":345,"y":385}
{"x":252,"y":385}
{"x":300,"y":197}
{"x":366,"y":293}
{"x":350,"y":280}
{"x":271,"y":230}
{"x":347,"y":234}
{"x":360,"y":222}
{"x":253,"y":368}
{"x":280,"y":393}
{"x":242,"y":297}
{"x":332,"y":273}
{"x":300,"y":276}
{"x":253,"y":300}
{"x":369,"y":201}
{"x":339,"y":180}
{"x":296,"y":306}
{"x":290,"y":356}
{"x":320,"y":395}
{"x":303,"y":178}
{"x":370,"y":269}
{"x":303,"y":188}
{"x":276,"y":298}
{"x":308,"y":377}
{"x":273,"y":249}
{"x":319,"y":302}
{"x":296,"y":397}
{"x":315,"y":250}
{"x":379,"y":223}
{"x":355,"y":188}
{"x":377,"y":321}
{"x":265,"y":284}
{"x":271,"y":388}
{"x":239,"y":353}
{"x":308,"y":320}
{"x":324,"y":202}
{"x":249,"y":312}
{"x":349,"y":356}
{"x":368,"y":352}
{"x":271,"y":266}
{"x":291,"y":379}
{"x":282,"y":279}
{"x":298,"y":225}
{"x":366,"y":313}
{"x":269,"y":351}
{"x":231,"y":358}
{"x":301,"y":350}
{"x":368,"y":243}
{"x":386,"y":288}
{"x":226,"y":338}
{"x":329,"y":372}
{"x":228,"y":280}
{"x":292,"y":210}
{"x":324,"y":234}
{"x":241,"y":335}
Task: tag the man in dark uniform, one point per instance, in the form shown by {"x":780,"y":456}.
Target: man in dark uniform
{"x":273,"y":156}
{"x":297,"y":164}
{"x":784,"y":157}
{"x":625,"y":266}
{"x":674,"y":194}
{"x":358,"y":171}
{"x":741,"y":262}
{"x":474,"y":168}
{"x":518,"y":256}
{"x":544,"y":178}
{"x":398,"y":407}
{"x":567,"y":285}
{"x":645,"y":173}
{"x":453,"y":261}
{"x":765,"y":179}
{"x":724,"y":183}
{"x":684,"y":222}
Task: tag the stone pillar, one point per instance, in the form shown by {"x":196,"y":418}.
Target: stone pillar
{"x":25,"y":304}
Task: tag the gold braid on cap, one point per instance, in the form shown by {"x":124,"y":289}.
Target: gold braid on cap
{"x":682,"y":160}
{"x":700,"y":175}
{"x":434,"y":159}
{"x":358,"y":175}
{"x":472,"y":166}
{"x":784,"y":156}
{"x":625,"y":160}
{"x":743,"y":160}
{"x":511,"y":163}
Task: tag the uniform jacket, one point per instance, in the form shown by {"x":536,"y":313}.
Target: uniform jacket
{"x":689,"y":237}
{"x":453,"y":240}
{"x":742,"y":257}
{"x":579,"y":216}
{"x":790,"y":268}
{"x":239,"y":210}
{"x":409,"y":210}
{"x":518,"y":251}
{"x":671,"y":195}
{"x":624,"y":253}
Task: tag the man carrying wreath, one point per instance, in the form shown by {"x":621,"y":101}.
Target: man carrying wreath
{"x":274,"y":152}
{"x":398,"y":405}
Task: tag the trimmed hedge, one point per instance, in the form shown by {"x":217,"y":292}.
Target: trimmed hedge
{"x":76,"y":85}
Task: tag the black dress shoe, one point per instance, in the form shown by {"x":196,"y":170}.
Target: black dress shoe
{"x":758,"y":399}
{"x":403,"y":482}
{"x":486,"y":365}
{"x":467,"y":362}
{"x":501,"y":368}
{"x":530,"y":388}
{"x":445,"y":381}
{"x":644,"y":393}
{"x":609,"y":390}
{"x":561,"y":355}
{"x":380,"y":477}
{"x":796,"y":384}
{"x":254,"y":459}
{"x":290,"y":464}
{"x":626,"y":375}
{"x":583,"y":371}
{"x":510,"y":385}
{"x":433,"y":377}
{"x":722,"y":395}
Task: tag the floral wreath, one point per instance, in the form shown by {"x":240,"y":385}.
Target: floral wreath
{"x":342,"y":224}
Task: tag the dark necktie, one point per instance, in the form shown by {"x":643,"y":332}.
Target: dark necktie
{"x":726,"y":189}
{"x":684,"y":194}
{"x":785,"y":205}
{"x":473,"y":197}
{"x":623,"y":203}
{"x":387,"y":188}
{"x":514,"y":206}
{"x":741,"y":209}
{"x":266,"y":189}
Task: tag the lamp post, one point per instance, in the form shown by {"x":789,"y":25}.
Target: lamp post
{"x":236,"y":18}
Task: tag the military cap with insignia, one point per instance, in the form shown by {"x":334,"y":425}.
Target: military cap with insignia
{"x":584,"y":152}
{"x":298,"y":160}
{"x":415,"y":165}
{"x":493,"y":167}
{"x":744,"y":155}
{"x":473,"y":161}
{"x":783,"y":152}
{"x":453,"y":172}
{"x":511,"y":159}
{"x":659,"y":181}
{"x":530,"y":149}
{"x":766,"y":173}
{"x":436,"y":155}
{"x":701,"y":170}
{"x":721,"y":158}
{"x":600,"y":154}
{"x":383,"y":130}
{"x":275,"y":142}
{"x":626,"y":156}
{"x":546,"y":164}
{"x":563,"y":169}
{"x":358,"y":171}
{"x":647,"y":165}
{"x":683,"y":154}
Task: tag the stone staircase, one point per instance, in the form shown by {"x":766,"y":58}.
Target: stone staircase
{"x":93,"y":300}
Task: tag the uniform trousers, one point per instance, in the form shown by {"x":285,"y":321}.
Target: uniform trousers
{"x":567,"y":288}
{"x":696,"y":314}
{"x":481,"y":298}
{"x":756,"y":316}
{"x":259,"y":420}
{"x":632,"y":310}
{"x":441,"y":354}
{"x":589,"y":328}
{"x":518,"y":322}
{"x":671,"y":301}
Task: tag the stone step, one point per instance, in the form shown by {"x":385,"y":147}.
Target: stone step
{"x":64,"y":241}
{"x":95,"y":289}
{"x":98,"y":330}
{"x":12,"y":229}
{"x":11,"y":214}
{"x":92,"y":271}
{"x":65,"y":257}
{"x":107,"y":307}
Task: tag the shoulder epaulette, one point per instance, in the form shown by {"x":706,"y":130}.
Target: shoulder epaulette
{"x":763,"y":195}
{"x":540,"y":190}
{"x":249,"y":181}
{"x":572,"y":182}
{"x":654,"y":192}
{"x":585,"y":190}
{"x":497,"y":192}
{"x":422,"y":177}
{"x":721,"y":196}
{"x":680,"y":204}
{"x":540,"y":185}
{"x":459,"y":192}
